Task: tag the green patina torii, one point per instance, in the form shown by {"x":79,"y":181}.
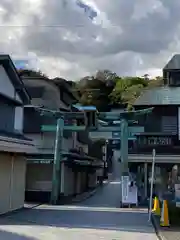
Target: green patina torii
{"x":123,"y":117}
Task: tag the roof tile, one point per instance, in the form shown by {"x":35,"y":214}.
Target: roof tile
{"x":159,"y":96}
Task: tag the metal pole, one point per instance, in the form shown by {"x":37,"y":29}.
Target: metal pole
{"x":57,"y":162}
{"x":74,"y":136}
{"x":145,"y":179}
{"x":152,"y":181}
{"x":124,"y":160}
{"x":124,"y":147}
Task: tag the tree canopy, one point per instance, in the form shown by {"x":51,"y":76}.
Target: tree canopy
{"x":105,"y":88}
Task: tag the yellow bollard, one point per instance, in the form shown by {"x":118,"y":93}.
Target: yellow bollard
{"x":156,"y":209}
{"x":164,"y":221}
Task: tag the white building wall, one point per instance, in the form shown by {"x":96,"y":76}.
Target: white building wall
{"x":46,"y":142}
{"x":18,"y":120}
{"x":51,"y":97}
{"x":12,"y":178}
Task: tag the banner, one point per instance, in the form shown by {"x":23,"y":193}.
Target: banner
{"x":125,"y":187}
{"x":177,"y":195}
{"x":129,"y":193}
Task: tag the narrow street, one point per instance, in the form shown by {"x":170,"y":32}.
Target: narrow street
{"x":99,"y":217}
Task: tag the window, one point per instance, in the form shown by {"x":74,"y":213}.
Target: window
{"x":174,"y":78}
{"x":7,"y":113}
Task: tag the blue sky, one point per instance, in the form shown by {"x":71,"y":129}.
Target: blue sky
{"x":29,"y":61}
{"x":21,"y":63}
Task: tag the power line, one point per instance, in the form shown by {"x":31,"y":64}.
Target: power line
{"x":41,"y":26}
{"x":49,"y":26}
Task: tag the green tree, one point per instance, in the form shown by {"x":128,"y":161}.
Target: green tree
{"x":95,"y":90}
{"x":131,"y":94}
{"x":156,"y":82}
{"x":123,"y":90}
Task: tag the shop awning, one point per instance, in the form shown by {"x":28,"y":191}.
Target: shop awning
{"x":160,"y":158}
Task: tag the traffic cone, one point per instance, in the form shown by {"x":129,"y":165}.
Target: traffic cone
{"x":164,"y":221}
{"x":156,"y":209}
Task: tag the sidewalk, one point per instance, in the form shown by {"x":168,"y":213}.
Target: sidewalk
{"x":172,"y":233}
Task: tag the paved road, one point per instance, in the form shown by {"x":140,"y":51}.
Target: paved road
{"x":98,"y":218}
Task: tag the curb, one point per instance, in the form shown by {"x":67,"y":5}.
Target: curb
{"x":155,"y":223}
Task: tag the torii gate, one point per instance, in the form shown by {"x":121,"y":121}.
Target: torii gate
{"x":123,"y":119}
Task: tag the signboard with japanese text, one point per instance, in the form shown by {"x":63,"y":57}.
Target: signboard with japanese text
{"x":39,"y":161}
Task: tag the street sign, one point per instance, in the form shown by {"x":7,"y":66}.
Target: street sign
{"x":39,"y":161}
{"x":131,"y":131}
{"x":116,"y":135}
{"x":85,"y":108}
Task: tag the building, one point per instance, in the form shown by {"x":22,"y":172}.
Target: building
{"x":161,"y":130}
{"x":13,"y":144}
{"x":53,"y":95}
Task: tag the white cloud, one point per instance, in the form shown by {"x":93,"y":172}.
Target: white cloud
{"x":128,"y":37}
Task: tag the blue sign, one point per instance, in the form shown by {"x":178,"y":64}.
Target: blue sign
{"x":132,"y":131}
{"x":116,"y":135}
{"x":85,"y":108}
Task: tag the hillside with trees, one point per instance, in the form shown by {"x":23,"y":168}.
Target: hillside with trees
{"x":105,"y":88}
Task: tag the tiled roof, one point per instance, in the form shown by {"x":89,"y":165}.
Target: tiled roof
{"x":174,"y":63}
{"x":35,"y":92}
{"x":159,"y":96}
{"x":13,"y":135}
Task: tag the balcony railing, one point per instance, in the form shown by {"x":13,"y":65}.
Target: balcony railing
{"x":164,"y":144}
{"x":159,"y":150}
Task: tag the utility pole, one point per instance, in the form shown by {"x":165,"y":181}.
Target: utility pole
{"x":124,"y":147}
{"x":56,"y":181}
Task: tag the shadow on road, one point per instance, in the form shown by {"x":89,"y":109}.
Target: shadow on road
{"x":97,"y":214}
{"x":13,"y":236}
{"x":72,"y":217}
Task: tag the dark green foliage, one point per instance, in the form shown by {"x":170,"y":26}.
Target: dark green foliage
{"x":105,"y":88}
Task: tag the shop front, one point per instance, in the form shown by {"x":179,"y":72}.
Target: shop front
{"x":165,"y":177}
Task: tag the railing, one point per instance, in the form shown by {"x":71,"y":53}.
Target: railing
{"x":164,"y":144}
{"x":159,"y":150}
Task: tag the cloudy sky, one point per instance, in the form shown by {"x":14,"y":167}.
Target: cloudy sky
{"x":74,"y":38}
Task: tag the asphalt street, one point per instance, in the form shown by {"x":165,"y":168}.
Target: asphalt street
{"x":97,"y":218}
